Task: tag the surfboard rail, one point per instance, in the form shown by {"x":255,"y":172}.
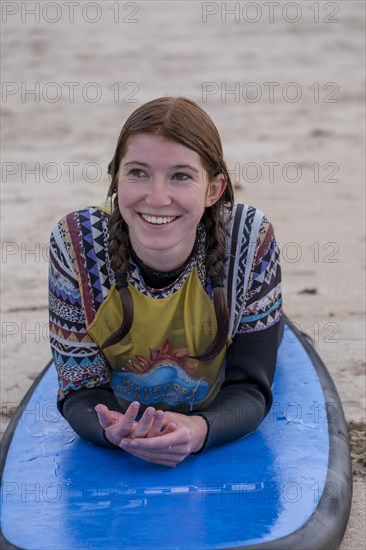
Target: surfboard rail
{"x":7,"y":439}
{"x":326,"y":527}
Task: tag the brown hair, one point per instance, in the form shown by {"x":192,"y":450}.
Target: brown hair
{"x":181,"y":120}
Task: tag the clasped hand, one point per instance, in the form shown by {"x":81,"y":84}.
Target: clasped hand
{"x":160,"y":437}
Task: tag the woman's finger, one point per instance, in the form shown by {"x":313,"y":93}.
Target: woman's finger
{"x":169,"y":457}
{"x":171,"y":443}
{"x":132,"y":412}
{"x":105,"y":416}
{"x":161,"y":460}
{"x":123,"y":425}
{"x":156,"y":425}
{"x":126,"y":426}
{"x":142,"y":427}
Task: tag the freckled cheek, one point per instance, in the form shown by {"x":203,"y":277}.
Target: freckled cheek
{"x":128,"y":196}
{"x":198,"y":205}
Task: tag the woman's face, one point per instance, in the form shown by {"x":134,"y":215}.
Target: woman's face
{"x":163,"y":190}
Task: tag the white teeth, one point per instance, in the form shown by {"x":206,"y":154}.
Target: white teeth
{"x":158,"y":220}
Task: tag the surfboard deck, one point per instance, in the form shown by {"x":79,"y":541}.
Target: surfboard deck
{"x":286,"y":486}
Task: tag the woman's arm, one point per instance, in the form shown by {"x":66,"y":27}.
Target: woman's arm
{"x":78,"y":408}
{"x":245,"y":396}
{"x":81,"y":368}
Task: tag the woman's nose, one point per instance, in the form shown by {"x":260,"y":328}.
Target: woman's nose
{"x":158,"y":194}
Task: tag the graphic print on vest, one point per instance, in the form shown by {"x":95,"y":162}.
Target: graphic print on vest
{"x":167,"y":375}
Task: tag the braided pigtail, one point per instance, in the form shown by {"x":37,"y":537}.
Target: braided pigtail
{"x":119,"y":258}
{"x":215,"y":264}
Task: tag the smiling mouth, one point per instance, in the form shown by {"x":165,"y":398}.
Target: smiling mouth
{"x":158,"y":220}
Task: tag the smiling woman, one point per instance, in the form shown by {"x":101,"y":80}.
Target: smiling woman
{"x":165,"y":301}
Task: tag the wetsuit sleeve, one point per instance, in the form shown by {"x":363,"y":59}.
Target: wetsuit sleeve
{"x":79,"y":410}
{"x":81,"y":368}
{"x":245,"y":396}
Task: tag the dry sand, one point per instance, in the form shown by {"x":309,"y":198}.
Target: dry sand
{"x":293,"y":134}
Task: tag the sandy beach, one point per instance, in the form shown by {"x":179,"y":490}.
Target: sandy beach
{"x":284,"y":83}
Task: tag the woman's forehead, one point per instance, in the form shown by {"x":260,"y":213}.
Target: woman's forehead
{"x":153,"y":149}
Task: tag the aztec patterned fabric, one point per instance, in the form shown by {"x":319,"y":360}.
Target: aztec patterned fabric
{"x":253,"y":283}
{"x":80,"y":278}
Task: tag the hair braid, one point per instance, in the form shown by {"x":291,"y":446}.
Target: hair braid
{"x":215,"y":268}
{"x":120,"y":264}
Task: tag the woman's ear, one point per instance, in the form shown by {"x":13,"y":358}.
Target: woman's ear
{"x":215,"y":189}
{"x":113,"y":186}
{"x":116,"y":181}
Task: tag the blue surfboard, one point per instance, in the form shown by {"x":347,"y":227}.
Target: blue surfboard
{"x":286,"y":486}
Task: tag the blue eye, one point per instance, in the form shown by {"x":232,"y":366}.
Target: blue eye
{"x":181,"y":176}
{"x":137,"y":172}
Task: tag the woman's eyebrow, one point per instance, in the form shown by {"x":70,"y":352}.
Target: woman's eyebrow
{"x":136,"y":162}
{"x":174,"y":167}
{"x":184,"y":166}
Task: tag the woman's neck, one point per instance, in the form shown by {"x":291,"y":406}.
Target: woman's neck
{"x":161,"y":261}
{"x":157,"y":278}
{"x":165,"y":259}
